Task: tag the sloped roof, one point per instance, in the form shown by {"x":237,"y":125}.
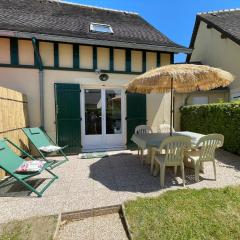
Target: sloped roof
{"x":227,"y":22}
{"x":73,"y":20}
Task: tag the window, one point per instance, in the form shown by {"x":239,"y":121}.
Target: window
{"x":235,"y":96}
{"x":98,"y":27}
{"x":199,"y":100}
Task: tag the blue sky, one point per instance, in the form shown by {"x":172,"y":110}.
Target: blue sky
{"x":174,"y":18}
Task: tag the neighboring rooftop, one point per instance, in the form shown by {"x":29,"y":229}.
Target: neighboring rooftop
{"x":70,"y":20}
{"x":227,"y":22}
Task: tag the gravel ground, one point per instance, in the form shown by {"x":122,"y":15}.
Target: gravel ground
{"x":93,"y":183}
{"x":107,"y":227}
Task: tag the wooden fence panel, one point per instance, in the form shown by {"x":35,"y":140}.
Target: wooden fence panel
{"x":13,"y":117}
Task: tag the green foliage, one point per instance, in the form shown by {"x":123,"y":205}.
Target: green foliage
{"x":223,"y":118}
{"x":205,"y":214}
{"x":220,"y":100}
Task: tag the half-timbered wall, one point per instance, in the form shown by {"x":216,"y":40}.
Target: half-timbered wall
{"x":65,"y":56}
{"x":73,"y":63}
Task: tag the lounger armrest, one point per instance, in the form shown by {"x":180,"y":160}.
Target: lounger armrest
{"x":66,"y":146}
{"x":47,"y":149}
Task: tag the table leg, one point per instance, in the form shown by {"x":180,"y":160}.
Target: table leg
{"x":152,"y":160}
{"x":142,"y":157}
{"x":202,"y":167}
{"x":149,"y":152}
{"x":156,"y":170}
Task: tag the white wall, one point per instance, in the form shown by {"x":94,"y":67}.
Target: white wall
{"x":26,"y":80}
{"x":212,"y":50}
{"x":157,"y":104}
{"x":187,"y":99}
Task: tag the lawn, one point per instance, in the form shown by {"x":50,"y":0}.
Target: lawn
{"x":36,"y":228}
{"x":186,"y":214}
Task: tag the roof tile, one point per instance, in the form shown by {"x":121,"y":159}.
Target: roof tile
{"x":72,"y":20}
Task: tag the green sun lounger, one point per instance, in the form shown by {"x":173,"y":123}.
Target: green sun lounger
{"x":40,"y":139}
{"x":10,"y":161}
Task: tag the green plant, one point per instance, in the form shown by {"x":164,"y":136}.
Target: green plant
{"x":220,"y":100}
{"x":206,"y":214}
{"x":223,"y":118}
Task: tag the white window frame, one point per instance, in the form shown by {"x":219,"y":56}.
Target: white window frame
{"x":101,"y":24}
{"x":198,"y":100}
{"x":235,"y":96}
{"x":103,"y":141}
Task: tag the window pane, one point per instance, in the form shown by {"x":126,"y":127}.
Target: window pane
{"x":113,"y":112}
{"x":93,"y":112}
{"x":199,"y":100}
{"x":100,"y":28}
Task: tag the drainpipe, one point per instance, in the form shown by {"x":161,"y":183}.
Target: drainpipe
{"x":41,"y":79}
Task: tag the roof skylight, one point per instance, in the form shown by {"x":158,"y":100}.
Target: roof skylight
{"x":99,"y":27}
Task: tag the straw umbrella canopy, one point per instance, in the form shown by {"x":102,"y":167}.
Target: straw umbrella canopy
{"x":181,"y":78}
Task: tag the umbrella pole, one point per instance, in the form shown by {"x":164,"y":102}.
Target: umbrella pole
{"x":171,"y":108}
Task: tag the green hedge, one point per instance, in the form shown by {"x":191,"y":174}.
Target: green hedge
{"x":221,"y":118}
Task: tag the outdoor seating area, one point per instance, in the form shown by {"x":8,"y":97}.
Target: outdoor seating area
{"x":183,"y":147}
{"x":109,"y":129}
{"x":27,"y":166}
{"x":163,"y":151}
{"x":85,"y":183}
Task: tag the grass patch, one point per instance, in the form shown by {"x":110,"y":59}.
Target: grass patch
{"x":186,"y":214}
{"x":36,"y":228}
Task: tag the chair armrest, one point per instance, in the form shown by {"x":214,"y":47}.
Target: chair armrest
{"x":193,"y":152}
{"x":66,"y":146}
{"x":158,"y":151}
{"x":154,"y":151}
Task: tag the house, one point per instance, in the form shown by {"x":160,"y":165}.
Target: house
{"x":216,"y":42}
{"x":74,"y":61}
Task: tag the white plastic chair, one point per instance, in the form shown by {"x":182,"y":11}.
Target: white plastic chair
{"x":165,"y":128}
{"x":205,"y":152}
{"x":142,"y":129}
{"x":175,"y":148}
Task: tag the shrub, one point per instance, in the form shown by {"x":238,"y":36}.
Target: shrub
{"x":221,"y":118}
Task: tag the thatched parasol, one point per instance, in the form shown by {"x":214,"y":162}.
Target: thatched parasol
{"x":181,"y":78}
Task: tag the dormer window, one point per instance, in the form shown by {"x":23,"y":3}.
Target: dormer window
{"x":98,"y":27}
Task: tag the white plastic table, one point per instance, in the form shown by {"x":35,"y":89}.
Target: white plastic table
{"x":153,"y":140}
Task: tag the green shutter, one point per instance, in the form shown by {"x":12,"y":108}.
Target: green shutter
{"x":136,"y":113}
{"x":68,"y":116}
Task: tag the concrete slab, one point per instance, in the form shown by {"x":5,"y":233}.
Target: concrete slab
{"x":106,"y":227}
{"x":90,"y":183}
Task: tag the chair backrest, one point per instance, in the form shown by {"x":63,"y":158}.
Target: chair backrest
{"x":143,"y":129}
{"x":9,"y":160}
{"x":208,"y":145}
{"x":165,"y":128}
{"x":174,"y":147}
{"x":37,"y":137}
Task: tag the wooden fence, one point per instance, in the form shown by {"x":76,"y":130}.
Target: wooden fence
{"x":13,"y":117}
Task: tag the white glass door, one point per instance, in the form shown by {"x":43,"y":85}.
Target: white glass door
{"x":102,"y":114}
